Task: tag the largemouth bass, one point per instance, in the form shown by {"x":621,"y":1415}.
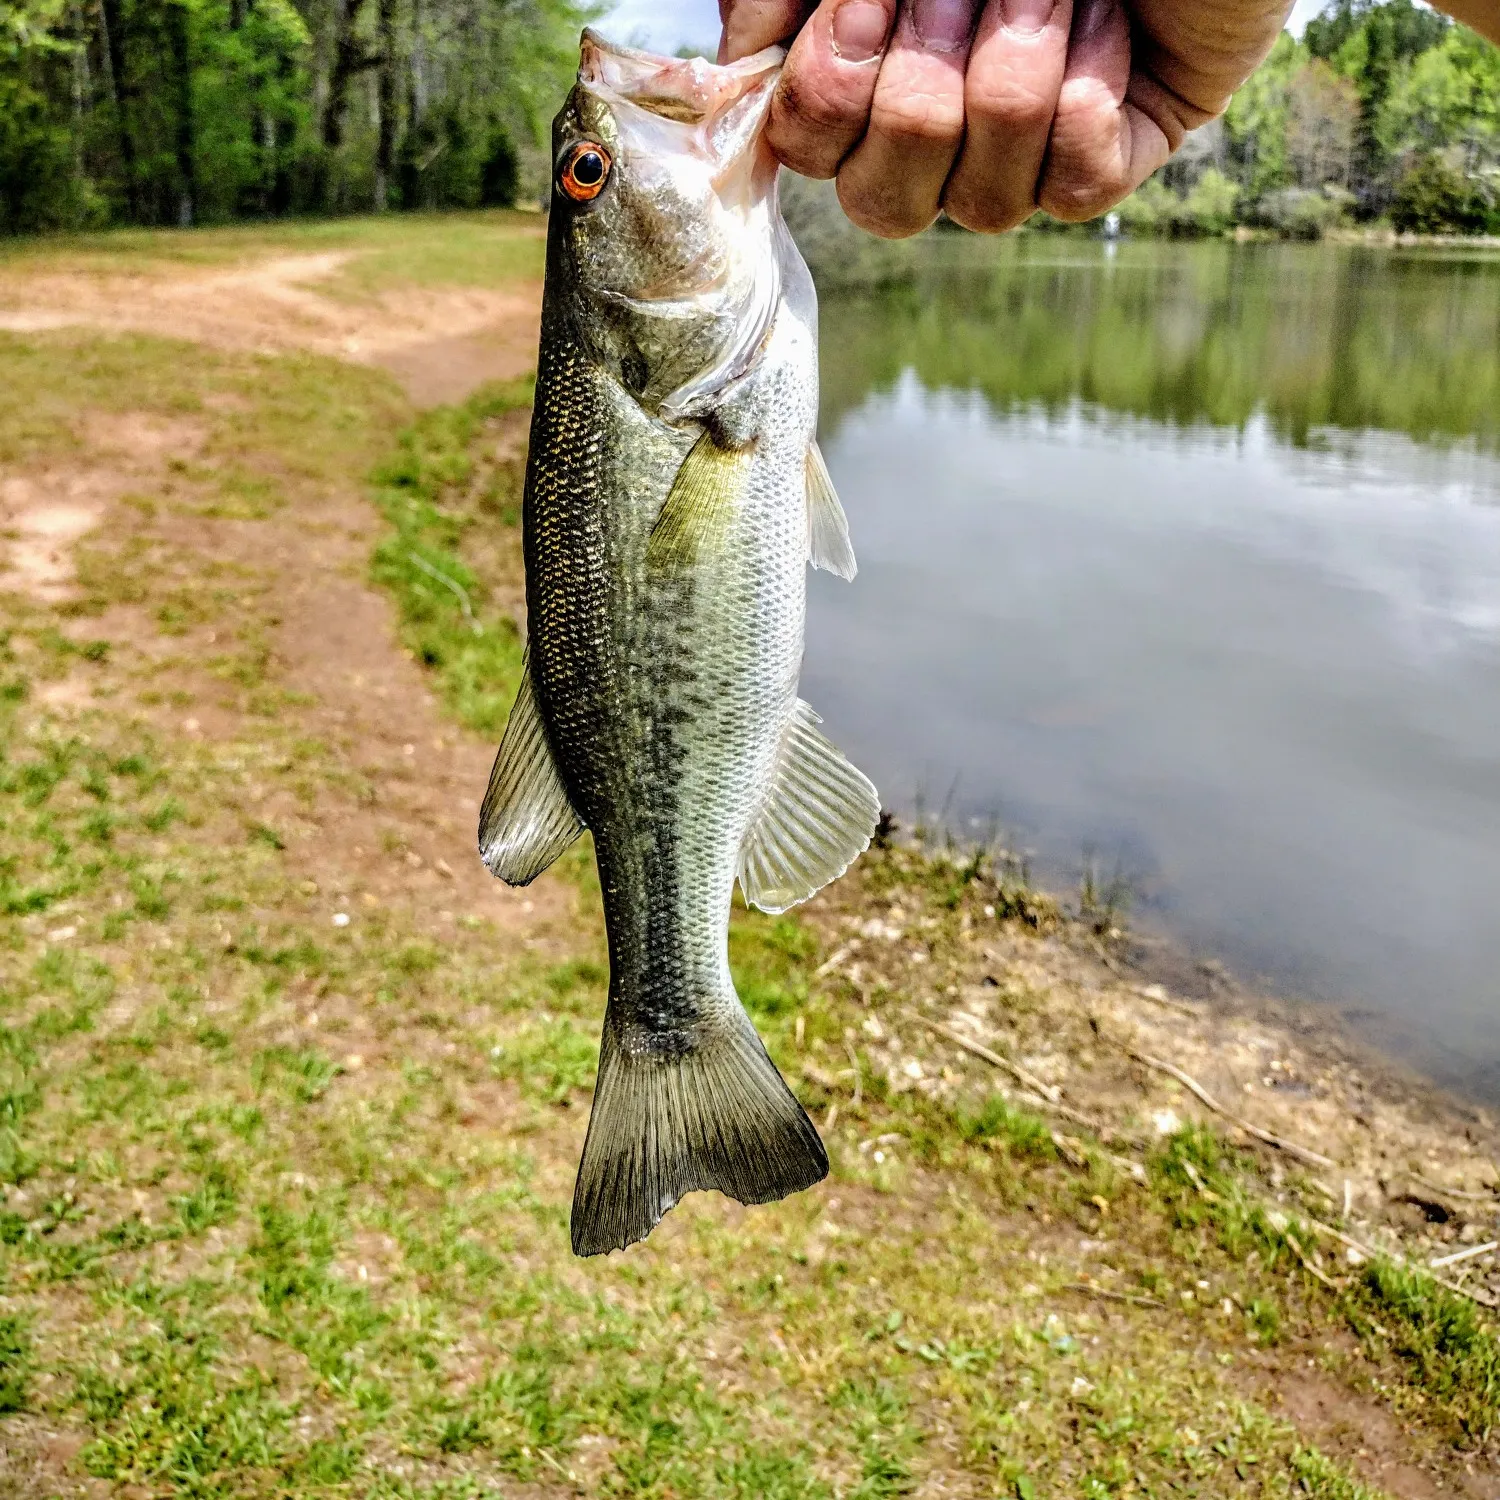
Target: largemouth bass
{"x":674,"y":497}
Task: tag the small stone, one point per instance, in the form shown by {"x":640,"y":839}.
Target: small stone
{"x":341,"y":919}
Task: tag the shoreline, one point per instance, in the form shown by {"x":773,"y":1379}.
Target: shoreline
{"x":1082,"y":1011}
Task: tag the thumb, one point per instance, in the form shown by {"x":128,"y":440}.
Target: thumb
{"x":750,"y":25}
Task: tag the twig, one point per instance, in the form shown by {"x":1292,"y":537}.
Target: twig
{"x":1104,"y":958}
{"x":1026,"y":1080}
{"x":1472,"y":1253}
{"x":458,"y":588}
{"x":1191,"y":1084}
{"x":833,"y":960}
{"x":1484,"y":1299}
{"x":1307,"y":1265}
{"x":1074,"y":1116}
{"x":854,"y":1063}
{"x":1158,"y":996}
{"x":1452,"y":1192}
{"x":1089,"y":1290}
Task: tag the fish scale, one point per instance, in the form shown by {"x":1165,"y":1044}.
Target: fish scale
{"x":672,"y":489}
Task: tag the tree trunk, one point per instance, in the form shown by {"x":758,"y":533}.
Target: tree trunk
{"x":180,"y":44}
{"x":385,"y":151}
{"x":82,"y":86}
{"x":416,"y":104}
{"x":113,"y":25}
{"x":348,"y":59}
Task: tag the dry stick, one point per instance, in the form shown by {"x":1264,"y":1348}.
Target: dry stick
{"x":1180,"y":1006}
{"x":833,"y":960}
{"x":1109,"y":1296}
{"x":854,"y":1063}
{"x":1307,"y":1265}
{"x":1451,"y":1192}
{"x":1302,"y":1153}
{"x":1016,"y":1071}
{"x":1043,"y":1095}
{"x":1484,"y":1299}
{"x":1472,"y":1253}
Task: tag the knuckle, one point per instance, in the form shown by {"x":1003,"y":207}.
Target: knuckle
{"x":919,"y":119}
{"x":985,"y":215}
{"x":1010,"y":107}
{"x":1074,"y":199}
{"x":806,"y":103}
{"x":887,"y":218}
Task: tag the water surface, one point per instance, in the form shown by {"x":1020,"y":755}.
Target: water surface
{"x":1190,"y":555}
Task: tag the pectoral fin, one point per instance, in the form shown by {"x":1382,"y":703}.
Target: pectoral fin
{"x":818,"y":819}
{"x":828,"y":544}
{"x":527,"y":819}
{"x":700,"y":505}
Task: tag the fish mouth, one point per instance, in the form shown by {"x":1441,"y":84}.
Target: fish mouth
{"x":717,"y":113}
{"x":690,"y":90}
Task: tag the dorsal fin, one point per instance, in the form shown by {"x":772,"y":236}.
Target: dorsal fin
{"x":818,"y":819}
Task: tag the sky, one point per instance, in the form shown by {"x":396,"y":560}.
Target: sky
{"x":666,"y":25}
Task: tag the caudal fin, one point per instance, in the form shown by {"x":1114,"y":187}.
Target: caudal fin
{"x":718,"y":1116}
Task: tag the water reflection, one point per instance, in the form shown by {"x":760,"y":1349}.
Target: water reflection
{"x":1310,"y":336}
{"x":1135,"y":575}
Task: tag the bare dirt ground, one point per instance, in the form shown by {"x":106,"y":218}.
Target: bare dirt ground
{"x":440,"y":342}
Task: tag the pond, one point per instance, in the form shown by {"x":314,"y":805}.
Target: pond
{"x":1189,"y":556}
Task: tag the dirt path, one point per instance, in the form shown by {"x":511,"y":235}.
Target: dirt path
{"x":440,"y":342}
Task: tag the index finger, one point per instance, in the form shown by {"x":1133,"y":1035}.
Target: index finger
{"x":750,"y":25}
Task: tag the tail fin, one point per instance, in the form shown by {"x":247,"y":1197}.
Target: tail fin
{"x":718,"y":1116}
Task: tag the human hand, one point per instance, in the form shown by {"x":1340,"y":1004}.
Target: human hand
{"x":990,"y":109}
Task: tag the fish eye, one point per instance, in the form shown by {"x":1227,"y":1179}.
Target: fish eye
{"x":585,"y":172}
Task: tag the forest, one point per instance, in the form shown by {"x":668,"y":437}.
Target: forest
{"x":1382,"y":111}
{"x":178,"y":112}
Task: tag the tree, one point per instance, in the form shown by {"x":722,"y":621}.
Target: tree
{"x":177,"y":111}
{"x":1323,"y":118}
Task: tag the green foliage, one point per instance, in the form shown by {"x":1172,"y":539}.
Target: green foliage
{"x":1345,"y":122}
{"x":1022,"y":1133}
{"x":1456,"y":1353}
{"x":15,"y":1364}
{"x":190,"y":111}
{"x":1434,"y":197}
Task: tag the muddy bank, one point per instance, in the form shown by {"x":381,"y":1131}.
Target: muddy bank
{"x":955,"y":960}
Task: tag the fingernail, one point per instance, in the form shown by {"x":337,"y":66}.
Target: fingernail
{"x":1027,"y":16}
{"x":943,"y":25}
{"x":859,"y":30}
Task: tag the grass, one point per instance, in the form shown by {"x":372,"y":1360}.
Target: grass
{"x":448,"y":618}
{"x":480,"y":249}
{"x":284,"y":1201}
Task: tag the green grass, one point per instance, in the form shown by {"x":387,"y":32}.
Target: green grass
{"x":483,"y":249}
{"x":447,"y":617}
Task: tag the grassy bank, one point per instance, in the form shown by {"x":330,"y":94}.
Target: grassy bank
{"x":291,"y":1094}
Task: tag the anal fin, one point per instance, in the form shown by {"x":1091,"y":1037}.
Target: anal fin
{"x":828,"y":544}
{"x":818,"y":819}
{"x":526,"y":820}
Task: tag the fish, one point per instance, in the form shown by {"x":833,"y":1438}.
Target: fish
{"x":674,"y":496}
